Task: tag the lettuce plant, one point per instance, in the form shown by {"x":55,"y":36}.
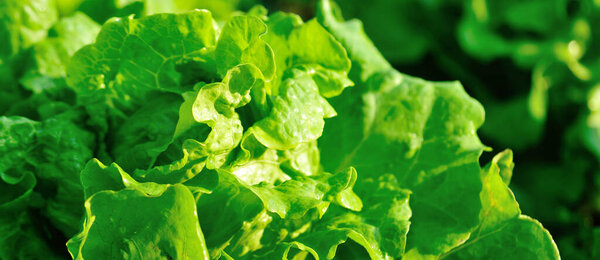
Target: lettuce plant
{"x":179,"y":136}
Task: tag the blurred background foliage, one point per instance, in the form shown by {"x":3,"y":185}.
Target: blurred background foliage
{"x":533,"y":64}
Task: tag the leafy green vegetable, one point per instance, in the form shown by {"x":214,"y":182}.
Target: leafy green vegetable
{"x":533,"y":65}
{"x":172,"y":134}
{"x":126,"y":219}
{"x":22,"y":24}
{"x":40,"y":173}
{"x":501,"y":221}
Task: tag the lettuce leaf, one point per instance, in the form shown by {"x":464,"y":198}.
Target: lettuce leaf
{"x":429,"y":130}
{"x":126,"y":219}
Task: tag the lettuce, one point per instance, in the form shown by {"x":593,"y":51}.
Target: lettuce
{"x":176,"y":135}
